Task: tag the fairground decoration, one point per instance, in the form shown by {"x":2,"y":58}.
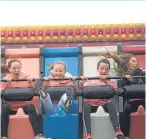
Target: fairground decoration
{"x":72,"y":33}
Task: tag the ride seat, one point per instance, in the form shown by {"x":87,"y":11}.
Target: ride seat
{"x":19,"y":124}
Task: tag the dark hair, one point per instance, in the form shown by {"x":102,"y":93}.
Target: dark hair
{"x":103,"y":61}
{"x":5,"y":68}
{"x":11,"y":61}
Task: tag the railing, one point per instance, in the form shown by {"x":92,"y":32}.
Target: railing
{"x":78,"y":78}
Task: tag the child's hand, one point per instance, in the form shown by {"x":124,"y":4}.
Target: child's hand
{"x":129,"y":77}
{"x":103,"y":77}
{"x":30,"y":79}
{"x":8,"y":80}
{"x":84,"y":78}
{"x":74,"y":78}
{"x":47,"y":78}
{"x":46,"y":81}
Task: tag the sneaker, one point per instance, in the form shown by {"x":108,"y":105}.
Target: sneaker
{"x":119,"y":134}
{"x":70,"y":96}
{"x":40,"y":137}
{"x":4,"y":138}
{"x":88,"y":136}
{"x":39,"y":89}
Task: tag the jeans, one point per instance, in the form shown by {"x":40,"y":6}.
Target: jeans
{"x":48,"y":106}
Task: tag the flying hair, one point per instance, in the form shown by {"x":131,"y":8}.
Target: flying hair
{"x":120,"y":59}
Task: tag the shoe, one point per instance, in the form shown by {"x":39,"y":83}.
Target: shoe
{"x":70,"y":96}
{"x":88,"y":136}
{"x":39,"y":89}
{"x":40,"y":136}
{"x":4,"y":138}
{"x":119,"y":134}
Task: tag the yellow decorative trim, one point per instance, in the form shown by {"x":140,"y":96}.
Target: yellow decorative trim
{"x":73,"y":33}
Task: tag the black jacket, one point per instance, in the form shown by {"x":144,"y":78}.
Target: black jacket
{"x":137,"y":72}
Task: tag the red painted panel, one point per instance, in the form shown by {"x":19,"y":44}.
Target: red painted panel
{"x":137,"y":127}
{"x":135,"y":49}
{"x":141,"y":60}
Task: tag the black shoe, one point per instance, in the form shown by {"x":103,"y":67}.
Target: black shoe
{"x":39,"y":89}
{"x":70,"y":96}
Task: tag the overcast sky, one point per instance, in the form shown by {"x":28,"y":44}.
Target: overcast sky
{"x":58,"y":13}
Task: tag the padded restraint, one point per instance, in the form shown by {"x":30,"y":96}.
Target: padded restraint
{"x":134,"y":91}
{"x":56,"y":92}
{"x":98,"y":92}
{"x":18,"y":94}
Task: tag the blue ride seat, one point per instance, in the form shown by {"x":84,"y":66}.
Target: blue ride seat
{"x":66,"y":124}
{"x":72,"y":110}
{"x":62,"y":125}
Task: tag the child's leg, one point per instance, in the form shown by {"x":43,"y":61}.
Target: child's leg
{"x":87,"y":109}
{"x":47,"y":105}
{"x":72,"y":106}
{"x":6,"y":111}
{"x":33,"y":117}
{"x":87,"y":119}
{"x":46,"y":101}
{"x":62,"y":101}
{"x":30,"y":110}
{"x":67,"y":99}
{"x":110,"y":107}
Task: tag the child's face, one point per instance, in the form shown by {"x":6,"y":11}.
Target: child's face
{"x":133,"y":63}
{"x":103,"y":69}
{"x":59,"y":71}
{"x":15,"y":69}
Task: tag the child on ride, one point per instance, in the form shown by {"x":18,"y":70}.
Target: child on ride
{"x":90,"y":105}
{"x":58,"y":71}
{"x":128,"y":66}
{"x":67,"y":74}
{"x":15,"y":72}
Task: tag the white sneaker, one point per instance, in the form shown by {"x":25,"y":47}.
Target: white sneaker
{"x":4,"y":138}
{"x":70,"y":96}
{"x":40,"y":137}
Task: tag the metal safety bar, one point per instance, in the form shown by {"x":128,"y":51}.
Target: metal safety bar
{"x":78,"y":78}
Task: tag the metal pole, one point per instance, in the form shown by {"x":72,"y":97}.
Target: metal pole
{"x":78,"y":78}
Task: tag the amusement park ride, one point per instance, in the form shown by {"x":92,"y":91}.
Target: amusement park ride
{"x":80,"y":48}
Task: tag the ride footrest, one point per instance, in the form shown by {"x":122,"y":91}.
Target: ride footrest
{"x":60,"y":125}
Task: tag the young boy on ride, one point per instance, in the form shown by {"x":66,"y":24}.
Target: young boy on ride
{"x":91,"y":105}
